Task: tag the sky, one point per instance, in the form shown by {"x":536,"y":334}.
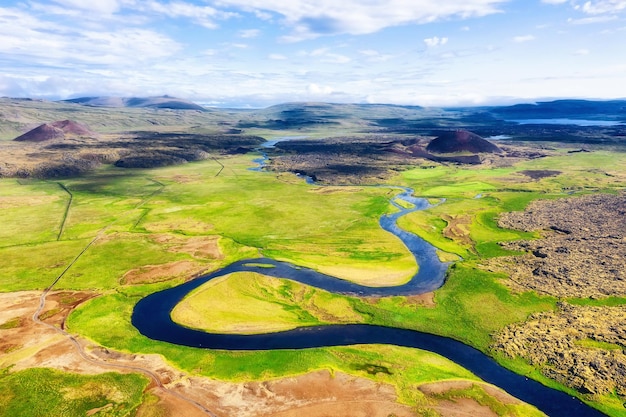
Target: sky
{"x":256,"y":53}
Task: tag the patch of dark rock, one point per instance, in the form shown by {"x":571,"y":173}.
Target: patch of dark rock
{"x":560,"y":230}
{"x":538,"y":174}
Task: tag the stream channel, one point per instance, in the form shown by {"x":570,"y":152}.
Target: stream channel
{"x":151,"y":316}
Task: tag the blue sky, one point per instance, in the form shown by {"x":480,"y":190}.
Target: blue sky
{"x":239,"y":53}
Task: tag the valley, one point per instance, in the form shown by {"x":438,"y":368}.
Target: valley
{"x":531,"y":233}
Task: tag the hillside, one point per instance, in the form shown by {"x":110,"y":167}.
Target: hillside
{"x":459,"y":140}
{"x":161,"y":102}
{"x":61,"y":129}
{"x":575,"y":109}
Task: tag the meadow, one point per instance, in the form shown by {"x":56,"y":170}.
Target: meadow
{"x":92,"y":231}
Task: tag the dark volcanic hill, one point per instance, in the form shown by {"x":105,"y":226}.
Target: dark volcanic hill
{"x":461,"y":141}
{"x":161,"y":102}
{"x":57,"y":130}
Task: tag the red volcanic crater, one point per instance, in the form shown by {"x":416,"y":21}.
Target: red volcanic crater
{"x":461,"y":141}
{"x":61,"y":129}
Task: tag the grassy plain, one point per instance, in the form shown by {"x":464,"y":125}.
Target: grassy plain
{"x":118,"y":219}
{"x":49,"y":393}
{"x":252,"y":303}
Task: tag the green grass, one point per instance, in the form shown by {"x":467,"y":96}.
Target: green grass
{"x":608,"y":301}
{"x":42,"y":392}
{"x":332,"y":229}
{"x":250,"y":303}
{"x":597,"y":344}
{"x":11,"y":324}
{"x":470,"y":307}
{"x":30,"y":212}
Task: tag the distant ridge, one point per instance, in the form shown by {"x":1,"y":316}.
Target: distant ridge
{"x":461,"y":141}
{"x":587,"y":109}
{"x":161,"y":102}
{"x":56,"y":130}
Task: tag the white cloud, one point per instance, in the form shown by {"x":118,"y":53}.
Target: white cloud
{"x":318,"y":52}
{"x":35,"y":43}
{"x":581,"y":52}
{"x":604,"y":6}
{"x":277,"y":57}
{"x":310,"y":19}
{"x":326,"y":56}
{"x":132,"y":11}
{"x":97,"y":6}
{"x":319,"y":90}
{"x":523,"y":38}
{"x":554,"y":1}
{"x":335,"y":59}
{"x":592,"y":20}
{"x":249,"y":33}
{"x":373,"y":55}
{"x":435,"y":41}
{"x":202,"y":15}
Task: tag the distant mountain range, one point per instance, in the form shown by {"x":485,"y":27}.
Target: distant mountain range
{"x":574,"y":109}
{"x":161,"y":102}
{"x":293,"y":114}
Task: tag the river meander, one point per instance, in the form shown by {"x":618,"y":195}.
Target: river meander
{"x":151,"y":316}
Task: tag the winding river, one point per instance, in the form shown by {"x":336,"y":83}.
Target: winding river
{"x":151,"y":316}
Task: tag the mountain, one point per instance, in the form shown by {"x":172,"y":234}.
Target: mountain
{"x":57,"y":130}
{"x":161,"y":102}
{"x":455,"y":141}
{"x":573,"y":109}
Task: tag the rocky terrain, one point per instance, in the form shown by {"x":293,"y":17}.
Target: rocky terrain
{"x":369,"y":159}
{"x":70,"y":154}
{"x":580,"y":346}
{"x":582,"y":252}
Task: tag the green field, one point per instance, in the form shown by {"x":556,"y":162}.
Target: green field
{"x":92,"y":231}
{"x":48,"y":393}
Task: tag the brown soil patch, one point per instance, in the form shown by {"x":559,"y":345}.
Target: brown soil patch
{"x":168,"y":405}
{"x":438,"y":388}
{"x":185,"y":179}
{"x":461,"y":407}
{"x":8,"y":202}
{"x":35,"y":345}
{"x":422,"y":300}
{"x":458,"y":228}
{"x":204,"y":247}
{"x":316,"y":394}
{"x":158,"y":273}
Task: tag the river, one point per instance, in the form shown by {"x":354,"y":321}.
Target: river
{"x":151,"y":316}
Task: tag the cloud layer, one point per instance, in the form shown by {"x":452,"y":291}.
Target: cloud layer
{"x":259,"y":52}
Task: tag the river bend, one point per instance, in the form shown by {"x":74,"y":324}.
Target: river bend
{"x":151,"y":316}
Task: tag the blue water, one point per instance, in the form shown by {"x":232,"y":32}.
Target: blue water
{"x":576,"y":122}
